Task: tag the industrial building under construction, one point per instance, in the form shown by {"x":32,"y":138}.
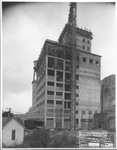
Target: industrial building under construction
{"x":66,"y":81}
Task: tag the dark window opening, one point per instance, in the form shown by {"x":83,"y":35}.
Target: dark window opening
{"x":59,"y":76}
{"x":13,"y":134}
{"x":68,"y":55}
{"x":88,"y":42}
{"x":68,"y":96}
{"x":76,"y":121}
{"x":50,"y":83}
{"x":67,"y":77}
{"x":97,"y":63}
{"x":88,"y":48}
{"x":60,"y":54}
{"x":60,"y":64}
{"x":50,"y":92}
{"x":51,"y":51}
{"x":83,"y":40}
{"x":67,"y":68}
{"x":59,"y":85}
{"x":67,"y":105}
{"x":83,"y":47}
{"x":67,"y":63}
{"x":77,"y":77}
{"x":76,"y":111}
{"x":77,"y":95}
{"x":77,"y":87}
{"x":91,"y":61}
{"x":50,"y":62}
{"x":67,"y":87}
{"x":59,"y":102}
{"x":50,"y":72}
{"x":77,"y":66}
{"x":84,"y":59}
{"x":59,"y":93}
{"x":50,"y":101}
{"x":76,"y":103}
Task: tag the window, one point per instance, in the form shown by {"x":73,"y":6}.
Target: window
{"x":67,"y":77}
{"x":50,"y":83}
{"x":50,"y":62}
{"x":91,"y":61}
{"x":60,"y":64}
{"x":77,"y":66}
{"x":97,"y":63}
{"x":59,"y":102}
{"x":76,"y":121}
{"x":67,"y":87}
{"x":67,"y":68}
{"x":77,"y":95}
{"x":59,"y":85}
{"x":50,"y":110}
{"x":59,"y":93}
{"x":13,"y":134}
{"x":88,"y":48}
{"x":88,"y":41}
{"x":59,"y":76}
{"x":50,"y":101}
{"x":83,"y":47}
{"x":67,"y":105}
{"x":83,"y":112}
{"x":83,"y":40}
{"x":84,"y":59}
{"x":77,"y":77}
{"x":68,"y":55}
{"x":76,"y":103}
{"x":67,"y":63}
{"x":50,"y":92}
{"x":50,"y":72}
{"x":60,"y":54}
{"x":76,"y":111}
{"x":67,"y":95}
{"x":77,"y":87}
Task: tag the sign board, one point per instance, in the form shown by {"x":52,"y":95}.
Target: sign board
{"x":96,"y":139}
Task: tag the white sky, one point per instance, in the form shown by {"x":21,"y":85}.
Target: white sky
{"x":25,"y":27}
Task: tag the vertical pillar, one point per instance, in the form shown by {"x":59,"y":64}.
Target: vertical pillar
{"x":55,"y":98}
{"x":45,"y":111}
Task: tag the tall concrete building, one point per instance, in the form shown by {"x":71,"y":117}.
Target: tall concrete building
{"x":53,"y":76}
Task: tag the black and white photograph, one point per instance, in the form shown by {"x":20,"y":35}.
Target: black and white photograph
{"x":58,"y":74}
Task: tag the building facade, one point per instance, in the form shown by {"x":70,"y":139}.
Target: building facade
{"x":51,"y":86}
{"x":108,"y":99}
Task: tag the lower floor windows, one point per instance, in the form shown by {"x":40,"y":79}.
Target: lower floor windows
{"x":50,"y":92}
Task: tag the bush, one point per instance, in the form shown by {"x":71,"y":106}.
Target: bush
{"x":64,"y":140}
{"x":38,"y":139}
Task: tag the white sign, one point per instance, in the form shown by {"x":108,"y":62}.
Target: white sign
{"x":94,"y":144}
{"x":108,"y":144}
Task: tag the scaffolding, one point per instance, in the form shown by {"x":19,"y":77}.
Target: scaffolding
{"x":71,"y":41}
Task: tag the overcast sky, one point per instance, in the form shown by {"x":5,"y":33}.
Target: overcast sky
{"x":26,"y":26}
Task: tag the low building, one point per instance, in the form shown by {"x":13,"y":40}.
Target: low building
{"x":106,"y":119}
{"x":12,"y":132}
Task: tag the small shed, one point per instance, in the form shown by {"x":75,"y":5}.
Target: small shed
{"x":12,"y":131}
